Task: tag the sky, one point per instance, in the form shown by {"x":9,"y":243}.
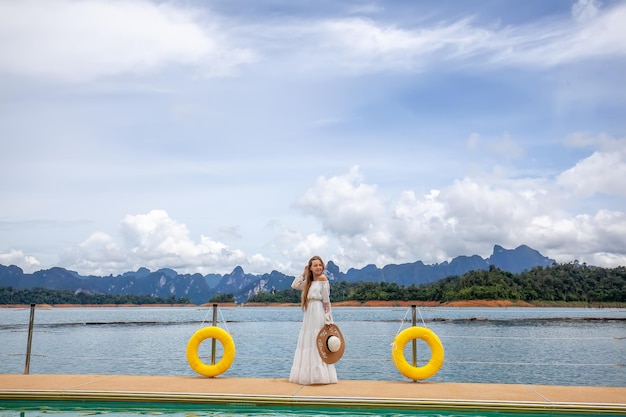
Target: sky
{"x":202,"y":135}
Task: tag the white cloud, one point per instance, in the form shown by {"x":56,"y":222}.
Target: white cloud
{"x":18,"y":258}
{"x":453,"y":220}
{"x":343,"y":203}
{"x":460,"y":219}
{"x":360,"y":226}
{"x":597,"y":35}
{"x":366,"y":38}
{"x":308,"y":245}
{"x":585,"y":10}
{"x":368,"y":45}
{"x":154,"y":240}
{"x":602,"y":172}
{"x":82,"y":40}
{"x":596,"y":239}
{"x":69,"y":40}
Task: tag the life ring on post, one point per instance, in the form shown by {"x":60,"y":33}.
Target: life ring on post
{"x":197,"y":338}
{"x":436,"y":358}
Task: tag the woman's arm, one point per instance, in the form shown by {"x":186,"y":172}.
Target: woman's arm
{"x":298,"y":282}
{"x":328,"y":316}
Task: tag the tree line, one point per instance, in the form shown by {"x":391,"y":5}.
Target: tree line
{"x":571,"y":282}
{"x":9,"y":295}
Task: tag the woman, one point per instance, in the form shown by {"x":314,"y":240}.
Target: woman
{"x":308,"y":367}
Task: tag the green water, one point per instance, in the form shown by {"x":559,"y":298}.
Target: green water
{"x":136,"y":409}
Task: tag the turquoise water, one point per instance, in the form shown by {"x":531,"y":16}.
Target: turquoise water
{"x":80,"y":409}
{"x":553,"y":346}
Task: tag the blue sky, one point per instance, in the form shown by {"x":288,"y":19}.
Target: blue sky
{"x":203,"y":135}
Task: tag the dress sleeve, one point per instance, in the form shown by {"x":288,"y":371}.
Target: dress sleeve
{"x":298,"y":282}
{"x":328,"y":316}
{"x":326,"y":293}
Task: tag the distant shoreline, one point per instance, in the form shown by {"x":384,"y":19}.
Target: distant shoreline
{"x":459,"y":304}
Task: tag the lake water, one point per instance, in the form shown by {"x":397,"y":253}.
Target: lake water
{"x":554,"y":346}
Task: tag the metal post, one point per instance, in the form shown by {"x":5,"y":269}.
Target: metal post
{"x":414,"y":321}
{"x":30,"y":338}
{"x":213,"y":341}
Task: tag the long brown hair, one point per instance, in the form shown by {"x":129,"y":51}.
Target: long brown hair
{"x":309,"y":280}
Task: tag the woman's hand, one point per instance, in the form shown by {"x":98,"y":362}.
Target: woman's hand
{"x":328,"y":318}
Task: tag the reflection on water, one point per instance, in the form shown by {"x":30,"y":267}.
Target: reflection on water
{"x":554,"y":346}
{"x":73,"y":409}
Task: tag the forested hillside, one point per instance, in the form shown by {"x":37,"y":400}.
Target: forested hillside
{"x":571,"y":282}
{"x":9,"y":295}
{"x":565,"y":282}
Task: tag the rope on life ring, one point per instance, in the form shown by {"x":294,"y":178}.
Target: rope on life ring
{"x":197,"y":338}
{"x":436,"y":358}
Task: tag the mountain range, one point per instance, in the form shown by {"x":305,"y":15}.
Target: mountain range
{"x":198,"y":288}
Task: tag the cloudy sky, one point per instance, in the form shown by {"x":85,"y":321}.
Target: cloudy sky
{"x":201,"y":135}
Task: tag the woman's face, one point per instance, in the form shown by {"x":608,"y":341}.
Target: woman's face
{"x":317,"y":267}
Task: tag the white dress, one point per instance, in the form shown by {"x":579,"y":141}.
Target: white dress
{"x":308,"y":367}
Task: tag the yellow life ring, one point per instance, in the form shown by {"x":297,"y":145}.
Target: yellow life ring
{"x":197,"y":338}
{"x":436,"y":358}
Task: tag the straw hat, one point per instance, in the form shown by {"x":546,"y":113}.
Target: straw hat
{"x":330,"y":343}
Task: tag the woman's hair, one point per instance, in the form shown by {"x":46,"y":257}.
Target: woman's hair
{"x":309,"y":280}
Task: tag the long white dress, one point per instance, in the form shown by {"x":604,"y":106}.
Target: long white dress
{"x":308,"y":367}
